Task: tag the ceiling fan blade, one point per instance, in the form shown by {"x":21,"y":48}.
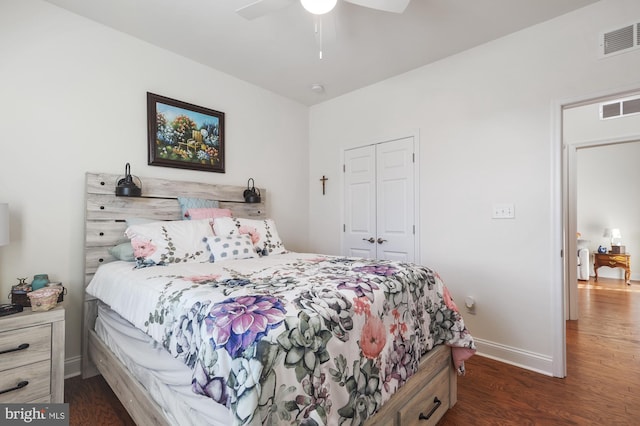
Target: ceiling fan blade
{"x":262,"y":7}
{"x":395,"y":6}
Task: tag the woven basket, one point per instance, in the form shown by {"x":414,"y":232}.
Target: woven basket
{"x":19,"y":296}
{"x":44,"y":299}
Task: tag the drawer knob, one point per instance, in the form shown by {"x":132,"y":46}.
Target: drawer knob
{"x":16,"y":387}
{"x":21,"y":347}
{"x":436,"y":404}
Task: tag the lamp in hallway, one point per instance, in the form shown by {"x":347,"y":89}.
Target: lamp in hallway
{"x":614,"y":234}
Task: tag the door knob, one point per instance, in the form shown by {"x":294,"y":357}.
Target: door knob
{"x":380,"y":241}
{"x":371,"y":240}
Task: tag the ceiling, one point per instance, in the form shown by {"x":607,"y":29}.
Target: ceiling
{"x":280,"y":51}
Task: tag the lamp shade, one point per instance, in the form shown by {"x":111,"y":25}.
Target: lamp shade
{"x":128,"y":186}
{"x":318,"y":7}
{"x":612,"y":233}
{"x":4,"y":224}
{"x":251,"y":194}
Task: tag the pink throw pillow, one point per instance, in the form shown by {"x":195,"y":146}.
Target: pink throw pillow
{"x":207,"y":213}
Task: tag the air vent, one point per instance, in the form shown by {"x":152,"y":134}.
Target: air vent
{"x":610,"y":110}
{"x":620,"y":40}
{"x":620,"y":108}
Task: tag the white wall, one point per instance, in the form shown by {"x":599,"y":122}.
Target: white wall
{"x":74,"y":100}
{"x":607,"y":180}
{"x":485,"y":123}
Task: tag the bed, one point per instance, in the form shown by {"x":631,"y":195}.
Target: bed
{"x":329,"y":340}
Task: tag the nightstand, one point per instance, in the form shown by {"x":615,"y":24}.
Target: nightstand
{"x":613,"y":260}
{"x":32,"y":357}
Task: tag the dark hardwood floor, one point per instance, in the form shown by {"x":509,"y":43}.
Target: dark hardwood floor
{"x":602,"y":386}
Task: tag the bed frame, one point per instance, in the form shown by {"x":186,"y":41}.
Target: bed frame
{"x":424,"y":398}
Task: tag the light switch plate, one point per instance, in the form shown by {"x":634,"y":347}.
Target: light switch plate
{"x":503,"y":211}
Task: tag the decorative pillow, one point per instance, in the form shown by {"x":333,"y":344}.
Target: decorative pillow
{"x":195,"y":203}
{"x":161,"y":243}
{"x":230,"y":247}
{"x":207,"y":213}
{"x":263,"y":233}
{"x":123,"y":251}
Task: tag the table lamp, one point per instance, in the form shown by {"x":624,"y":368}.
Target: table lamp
{"x":612,"y":234}
{"x":4,"y":224}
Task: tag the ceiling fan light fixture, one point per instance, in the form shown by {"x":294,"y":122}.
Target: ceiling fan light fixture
{"x":318,"y":7}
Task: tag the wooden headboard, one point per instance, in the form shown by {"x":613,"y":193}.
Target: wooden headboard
{"x":106,"y":214}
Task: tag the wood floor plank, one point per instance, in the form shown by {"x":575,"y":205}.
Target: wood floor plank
{"x":602,"y":386}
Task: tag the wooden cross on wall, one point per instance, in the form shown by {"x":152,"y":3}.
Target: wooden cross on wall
{"x":324,"y":181}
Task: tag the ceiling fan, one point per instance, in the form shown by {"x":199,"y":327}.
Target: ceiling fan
{"x":317,"y":7}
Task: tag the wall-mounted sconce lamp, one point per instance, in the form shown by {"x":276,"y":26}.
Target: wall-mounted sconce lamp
{"x":129,"y":186}
{"x":251,"y":194}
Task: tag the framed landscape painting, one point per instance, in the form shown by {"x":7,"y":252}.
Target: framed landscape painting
{"x":183,"y":135}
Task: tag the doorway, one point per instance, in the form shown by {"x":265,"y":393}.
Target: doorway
{"x":565,"y":300}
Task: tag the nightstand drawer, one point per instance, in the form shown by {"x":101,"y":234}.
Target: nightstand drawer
{"x":37,"y":338}
{"x":617,"y":260}
{"x":432,"y":401}
{"x":37,"y":375}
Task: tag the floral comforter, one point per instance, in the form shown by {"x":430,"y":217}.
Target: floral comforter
{"x":291,"y":339}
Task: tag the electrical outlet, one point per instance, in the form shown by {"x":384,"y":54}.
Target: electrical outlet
{"x":470,"y":304}
{"x":503,"y":211}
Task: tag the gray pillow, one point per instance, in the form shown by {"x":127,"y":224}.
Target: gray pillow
{"x":123,"y":251}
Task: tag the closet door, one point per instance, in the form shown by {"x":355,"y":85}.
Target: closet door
{"x":360,"y":202}
{"x":395,"y":209}
{"x":379,"y":201}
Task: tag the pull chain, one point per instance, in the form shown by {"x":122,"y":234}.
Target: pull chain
{"x":318,"y":31}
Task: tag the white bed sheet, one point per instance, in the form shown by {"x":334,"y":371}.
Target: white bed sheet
{"x":167,"y":379}
{"x":133,"y":293}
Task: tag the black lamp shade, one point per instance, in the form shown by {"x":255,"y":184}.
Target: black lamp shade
{"x":251,"y":194}
{"x":252,"y":198}
{"x":127,"y":186}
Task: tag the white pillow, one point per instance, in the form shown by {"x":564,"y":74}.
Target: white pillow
{"x":230,"y":247}
{"x":263,"y":233}
{"x":161,"y":243}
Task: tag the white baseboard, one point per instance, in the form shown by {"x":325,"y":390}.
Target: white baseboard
{"x":520,"y":358}
{"x":72,"y":366}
